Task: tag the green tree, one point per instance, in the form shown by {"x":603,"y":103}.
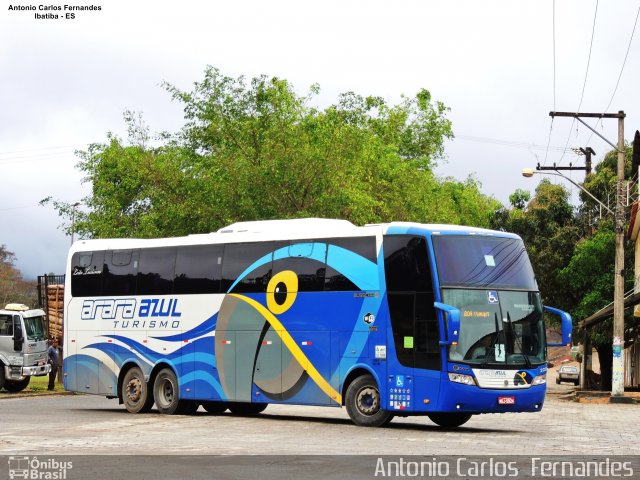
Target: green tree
{"x":256,"y":150}
{"x":13,"y":288}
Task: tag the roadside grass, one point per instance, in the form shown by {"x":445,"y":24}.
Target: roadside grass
{"x":37,"y":386}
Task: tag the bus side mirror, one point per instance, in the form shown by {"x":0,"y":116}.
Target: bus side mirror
{"x":452,"y":322}
{"x":566,"y":324}
{"x":18,"y":337}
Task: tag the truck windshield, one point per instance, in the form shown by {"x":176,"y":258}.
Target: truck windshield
{"x":35,"y":328}
{"x":498,"y":327}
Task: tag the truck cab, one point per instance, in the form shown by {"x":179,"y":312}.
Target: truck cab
{"x":23,"y":346}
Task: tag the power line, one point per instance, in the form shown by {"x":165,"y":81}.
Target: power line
{"x":553,"y":41}
{"x":44,"y":148}
{"x":586,"y":74}
{"x":509,"y":143}
{"x":624,"y":62}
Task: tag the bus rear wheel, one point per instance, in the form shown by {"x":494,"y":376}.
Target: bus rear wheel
{"x":15,"y":387}
{"x":363,"y":403}
{"x":135,"y":392}
{"x":449,"y":420}
{"x":166,"y":392}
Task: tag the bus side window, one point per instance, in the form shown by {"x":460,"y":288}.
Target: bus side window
{"x":86,"y":274}
{"x":156,"y":271}
{"x":119,"y":274}
{"x":238,"y":257}
{"x":303,"y":259}
{"x":198,"y":269}
{"x":363,"y":246}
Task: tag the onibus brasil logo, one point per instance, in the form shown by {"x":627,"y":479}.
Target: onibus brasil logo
{"x":33,"y":468}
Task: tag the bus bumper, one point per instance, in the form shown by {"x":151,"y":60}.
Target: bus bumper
{"x":472,"y":399}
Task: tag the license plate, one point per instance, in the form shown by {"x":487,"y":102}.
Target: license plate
{"x":506,"y":400}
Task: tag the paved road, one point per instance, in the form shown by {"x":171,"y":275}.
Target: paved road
{"x":94,"y":425}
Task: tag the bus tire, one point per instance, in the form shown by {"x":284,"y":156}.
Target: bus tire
{"x":449,"y":420}
{"x":363,"y":403}
{"x":135,"y":392}
{"x":215,"y":408}
{"x":241,"y":408}
{"x":15,"y":387}
{"x":166,"y":392}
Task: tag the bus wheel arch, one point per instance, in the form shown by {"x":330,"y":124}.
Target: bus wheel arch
{"x":363,"y":402}
{"x":351,"y":376}
{"x":133,"y":391}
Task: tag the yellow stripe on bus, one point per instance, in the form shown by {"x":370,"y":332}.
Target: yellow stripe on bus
{"x":293,"y":347}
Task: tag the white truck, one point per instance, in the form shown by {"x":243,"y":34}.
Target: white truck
{"x":23,"y":346}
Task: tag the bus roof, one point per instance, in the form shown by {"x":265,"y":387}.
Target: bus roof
{"x":303,"y":228}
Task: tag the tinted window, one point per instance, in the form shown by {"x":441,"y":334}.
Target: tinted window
{"x":401,"y":309}
{"x":304,"y":260}
{"x":119,"y":274}
{"x":198,"y":269}
{"x":86,"y":274}
{"x":363,"y":246}
{"x":477,"y":261}
{"x":156,"y":271}
{"x":240,"y":256}
{"x":406,"y":264}
{"x":6,"y":326}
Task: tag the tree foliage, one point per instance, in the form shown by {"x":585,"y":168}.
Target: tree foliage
{"x":13,"y":288}
{"x":257,"y":150}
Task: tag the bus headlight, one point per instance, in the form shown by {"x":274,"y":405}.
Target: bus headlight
{"x":540,"y":380}
{"x":460,"y":378}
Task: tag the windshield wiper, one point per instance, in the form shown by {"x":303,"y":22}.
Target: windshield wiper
{"x":493,"y":343}
{"x":516,"y":339}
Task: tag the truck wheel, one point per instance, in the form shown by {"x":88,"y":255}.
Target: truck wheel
{"x":363,"y":403}
{"x":215,"y":408}
{"x":166,"y":392}
{"x":135,"y":392}
{"x":449,"y":420}
{"x":15,"y":387}
{"x":241,"y":408}
{"x":1,"y":375}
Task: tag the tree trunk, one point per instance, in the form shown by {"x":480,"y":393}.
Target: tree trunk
{"x":605,"y":356}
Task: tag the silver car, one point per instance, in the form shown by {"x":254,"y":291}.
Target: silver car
{"x":568,"y":373}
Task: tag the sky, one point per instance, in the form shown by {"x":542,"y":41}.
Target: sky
{"x":500,"y":66}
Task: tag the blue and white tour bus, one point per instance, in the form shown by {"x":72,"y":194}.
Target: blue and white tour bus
{"x":386,"y":320}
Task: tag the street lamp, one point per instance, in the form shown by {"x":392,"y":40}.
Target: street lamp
{"x":617,"y":381}
{"x":530,"y":172}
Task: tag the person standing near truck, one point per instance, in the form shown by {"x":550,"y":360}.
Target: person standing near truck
{"x":53,"y":361}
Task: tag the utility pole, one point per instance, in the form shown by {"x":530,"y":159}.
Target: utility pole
{"x":617,"y":380}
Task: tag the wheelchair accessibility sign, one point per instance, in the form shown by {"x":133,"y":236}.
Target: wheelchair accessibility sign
{"x":492,"y":297}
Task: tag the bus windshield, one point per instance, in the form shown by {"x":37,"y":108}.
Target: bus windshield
{"x":483,"y":261}
{"x":498,"y":327}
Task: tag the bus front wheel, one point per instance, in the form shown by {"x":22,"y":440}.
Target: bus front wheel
{"x":363,"y":403}
{"x":449,"y":420}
